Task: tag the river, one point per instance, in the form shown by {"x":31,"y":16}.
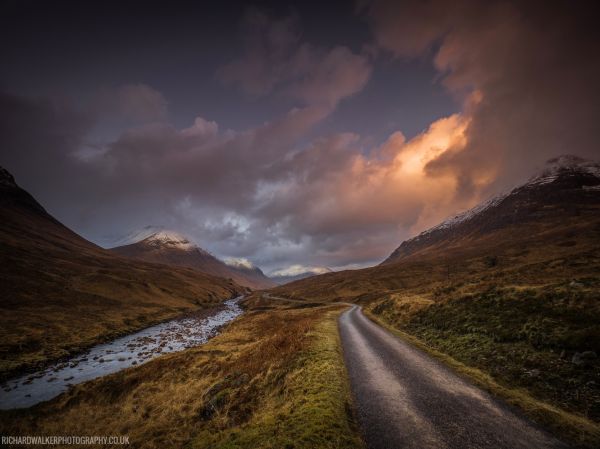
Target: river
{"x":107,"y":358}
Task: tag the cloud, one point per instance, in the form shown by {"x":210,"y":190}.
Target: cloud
{"x":530,"y":64}
{"x":239,"y":262}
{"x":276,"y":59}
{"x":131,"y":102}
{"x":296,"y":269}
{"x":276,"y":195}
{"x":260,"y":193}
{"x":354,"y":204}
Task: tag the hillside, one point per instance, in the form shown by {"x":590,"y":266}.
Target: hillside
{"x":564,"y":188}
{"x":507,"y":291}
{"x":172,"y":248}
{"x":545,"y":230}
{"x":60,"y":293}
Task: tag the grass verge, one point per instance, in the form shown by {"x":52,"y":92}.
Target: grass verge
{"x":571,"y":427}
{"x":272,"y":379}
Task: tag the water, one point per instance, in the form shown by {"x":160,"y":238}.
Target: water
{"x":108,"y":358}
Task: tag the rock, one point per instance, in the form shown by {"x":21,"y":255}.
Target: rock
{"x":589,"y":355}
{"x":585,"y":358}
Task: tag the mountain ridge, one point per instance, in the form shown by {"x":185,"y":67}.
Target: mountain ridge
{"x":60,"y":293}
{"x":175,"y":249}
{"x":515,"y":206}
{"x":547,"y":232}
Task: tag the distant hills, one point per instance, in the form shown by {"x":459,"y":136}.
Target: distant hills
{"x":295,"y":273}
{"x":172,"y":248}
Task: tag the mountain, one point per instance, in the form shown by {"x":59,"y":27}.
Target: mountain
{"x":246,"y":268}
{"x":295,"y":273}
{"x":567,"y":184}
{"x":507,"y":291}
{"x":60,"y":293}
{"x":545,"y":230}
{"x":172,"y":248}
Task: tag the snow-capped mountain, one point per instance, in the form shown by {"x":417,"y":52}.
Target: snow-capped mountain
{"x":565,"y":184}
{"x":154,"y":244}
{"x":295,"y":273}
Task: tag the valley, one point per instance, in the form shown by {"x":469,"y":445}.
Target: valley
{"x":274,"y":378}
{"x":282,"y":224}
{"x":61,"y":294}
{"x":492,"y":319}
{"x":130,"y":350}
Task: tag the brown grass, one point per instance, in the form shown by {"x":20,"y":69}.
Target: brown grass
{"x":572,"y":427}
{"x":60,"y":294}
{"x":272,"y":379}
{"x":518,"y":320}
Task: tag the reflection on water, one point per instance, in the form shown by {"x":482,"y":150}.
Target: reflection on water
{"x":109,"y":358}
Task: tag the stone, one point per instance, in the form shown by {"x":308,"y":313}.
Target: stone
{"x":585,"y":358}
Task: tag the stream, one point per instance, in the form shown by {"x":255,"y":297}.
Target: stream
{"x":107,"y":358}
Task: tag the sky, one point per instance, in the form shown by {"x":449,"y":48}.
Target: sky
{"x":289,"y":133}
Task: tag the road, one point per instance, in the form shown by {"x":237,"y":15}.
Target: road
{"x":406,"y":399}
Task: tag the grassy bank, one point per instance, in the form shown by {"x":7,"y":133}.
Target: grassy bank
{"x":518,"y":343}
{"x":34,"y":333}
{"x":60,"y":294}
{"x":273,"y":379}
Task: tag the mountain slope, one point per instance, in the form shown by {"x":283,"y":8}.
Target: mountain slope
{"x":60,"y":293}
{"x":563,"y":188}
{"x":507,"y":292}
{"x":172,"y":248}
{"x":536,"y":233}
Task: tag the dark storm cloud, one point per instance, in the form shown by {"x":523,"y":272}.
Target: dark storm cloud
{"x":130,"y":102}
{"x":281,"y":192}
{"x":530,"y":66}
{"x":275,"y":58}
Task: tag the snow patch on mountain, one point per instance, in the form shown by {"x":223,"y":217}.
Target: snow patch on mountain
{"x":464,"y":216}
{"x":563,"y":164}
{"x":170,"y":239}
{"x":157,"y":236}
{"x":552,"y":171}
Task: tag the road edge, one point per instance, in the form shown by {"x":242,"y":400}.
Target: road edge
{"x":574,"y":429}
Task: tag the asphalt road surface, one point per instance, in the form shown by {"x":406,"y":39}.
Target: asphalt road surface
{"x":406,"y":399}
